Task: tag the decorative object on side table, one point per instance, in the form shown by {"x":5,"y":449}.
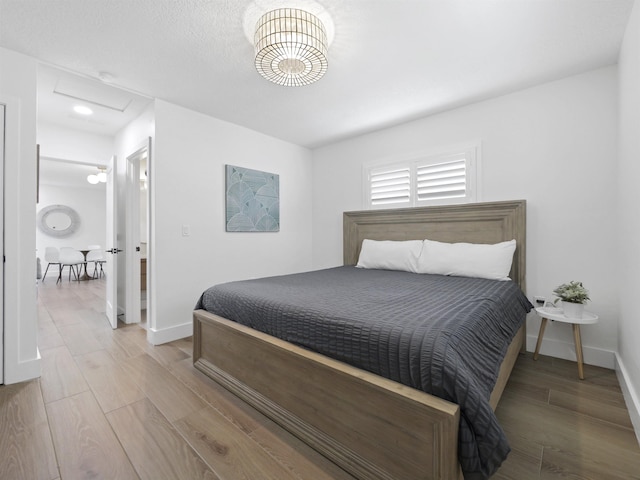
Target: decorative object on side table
{"x":573,"y":296}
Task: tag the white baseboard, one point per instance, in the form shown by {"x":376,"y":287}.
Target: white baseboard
{"x":166,"y":335}
{"x":630,"y":395}
{"x":567,"y":351}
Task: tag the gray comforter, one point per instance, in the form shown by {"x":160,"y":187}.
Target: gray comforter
{"x":443,"y":335}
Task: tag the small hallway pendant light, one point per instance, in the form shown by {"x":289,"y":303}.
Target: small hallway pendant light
{"x":100,"y":177}
{"x":291,"y":47}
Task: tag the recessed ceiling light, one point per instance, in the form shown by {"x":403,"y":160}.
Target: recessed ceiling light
{"x":82,"y":110}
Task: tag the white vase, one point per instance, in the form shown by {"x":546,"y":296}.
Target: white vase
{"x":572,"y":310}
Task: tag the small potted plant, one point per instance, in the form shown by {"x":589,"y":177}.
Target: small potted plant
{"x":573,"y":296}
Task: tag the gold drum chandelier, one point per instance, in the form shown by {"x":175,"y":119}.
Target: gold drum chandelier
{"x":291,"y":47}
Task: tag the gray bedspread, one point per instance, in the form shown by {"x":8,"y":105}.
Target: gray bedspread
{"x":443,"y":335}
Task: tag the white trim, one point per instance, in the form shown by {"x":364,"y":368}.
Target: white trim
{"x":404,"y":159}
{"x":166,"y":335}
{"x":631,"y":396}
{"x":21,"y":356}
{"x":2,"y":136}
{"x":567,"y":351}
{"x":132,"y":234}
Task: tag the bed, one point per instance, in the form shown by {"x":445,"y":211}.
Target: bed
{"x":371,"y":426}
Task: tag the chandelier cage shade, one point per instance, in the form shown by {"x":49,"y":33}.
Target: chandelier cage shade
{"x":291,"y":47}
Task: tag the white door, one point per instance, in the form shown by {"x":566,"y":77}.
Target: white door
{"x":111,"y":266}
{"x":2,"y":107}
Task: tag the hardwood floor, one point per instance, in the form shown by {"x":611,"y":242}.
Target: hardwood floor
{"x":109,"y":405}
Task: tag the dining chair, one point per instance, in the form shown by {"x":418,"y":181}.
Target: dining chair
{"x":96,"y":255}
{"x":72,"y":258}
{"x":52,"y":257}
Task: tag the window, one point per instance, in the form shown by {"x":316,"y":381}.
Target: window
{"x":426,"y":180}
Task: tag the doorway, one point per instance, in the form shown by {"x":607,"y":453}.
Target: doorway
{"x":92,"y":133}
{"x":65,"y":184}
{"x":136,"y":234}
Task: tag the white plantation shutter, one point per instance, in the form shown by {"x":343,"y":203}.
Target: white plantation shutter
{"x":429,"y":180}
{"x":441,"y":180}
{"x":390,"y":186}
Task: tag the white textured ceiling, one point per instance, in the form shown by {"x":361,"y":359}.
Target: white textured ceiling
{"x":390,"y":60}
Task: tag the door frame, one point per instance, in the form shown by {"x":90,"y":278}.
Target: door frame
{"x":132,"y":233}
{"x":3,"y":122}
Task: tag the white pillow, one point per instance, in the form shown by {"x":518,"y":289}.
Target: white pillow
{"x":390,"y":254}
{"x":467,"y":259}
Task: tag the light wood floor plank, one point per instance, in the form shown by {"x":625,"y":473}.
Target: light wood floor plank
{"x":49,"y":337}
{"x":537,"y":375}
{"x":227,"y":450}
{"x":592,"y":407}
{"x":26,"y":448}
{"x":85,"y":444}
{"x":112,"y":387}
{"x":568,"y":431}
{"x":155,"y":448}
{"x":124,"y":337}
{"x":61,"y":376}
{"x":560,"y":464}
{"x":519,"y":466}
{"x":79,"y":339}
{"x":65,"y":314}
{"x":166,"y":392}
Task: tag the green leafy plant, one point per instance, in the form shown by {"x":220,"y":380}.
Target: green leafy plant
{"x":573,"y":292}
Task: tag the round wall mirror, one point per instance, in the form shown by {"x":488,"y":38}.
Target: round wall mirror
{"x":58,"y":221}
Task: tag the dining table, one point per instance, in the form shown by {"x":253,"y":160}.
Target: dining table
{"x":85,"y":275}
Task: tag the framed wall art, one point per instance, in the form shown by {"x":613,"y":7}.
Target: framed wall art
{"x":252,"y":200}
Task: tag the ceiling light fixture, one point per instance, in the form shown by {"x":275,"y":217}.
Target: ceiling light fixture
{"x":100,"y":177}
{"x":291,"y":47}
{"x":82,"y":110}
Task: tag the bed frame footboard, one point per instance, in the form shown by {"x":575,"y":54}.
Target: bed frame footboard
{"x":372,"y":427}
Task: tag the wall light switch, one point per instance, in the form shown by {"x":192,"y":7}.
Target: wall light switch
{"x":186,"y":230}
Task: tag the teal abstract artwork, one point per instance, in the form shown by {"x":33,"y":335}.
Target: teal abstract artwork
{"x":253,"y":200}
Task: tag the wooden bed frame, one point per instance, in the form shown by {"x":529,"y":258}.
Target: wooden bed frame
{"x":372,"y":427}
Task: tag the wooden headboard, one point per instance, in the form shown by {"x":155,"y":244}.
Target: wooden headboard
{"x":489,"y":222}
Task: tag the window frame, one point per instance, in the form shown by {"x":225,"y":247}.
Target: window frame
{"x":471,"y":154}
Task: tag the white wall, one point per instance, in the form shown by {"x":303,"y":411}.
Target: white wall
{"x":553,"y":145}
{"x":629,"y":220}
{"x":89,"y":203}
{"x":74,"y":145}
{"x":18,"y":87}
{"x":187,"y":188}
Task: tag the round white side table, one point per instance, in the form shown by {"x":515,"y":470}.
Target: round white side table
{"x":556,"y":314}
